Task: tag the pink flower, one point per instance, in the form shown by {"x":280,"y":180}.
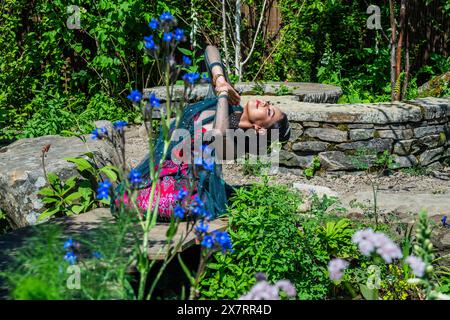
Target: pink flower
{"x":336,"y":268}
{"x":369,"y":241}
{"x":417,"y":265}
{"x":287,"y":287}
{"x":263,"y":290}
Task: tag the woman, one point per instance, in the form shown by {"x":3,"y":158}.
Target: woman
{"x":219,"y":111}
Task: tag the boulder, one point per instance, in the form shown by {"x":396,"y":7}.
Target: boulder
{"x":21,"y":172}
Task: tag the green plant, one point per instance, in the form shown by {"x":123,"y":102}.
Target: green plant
{"x":259,"y":88}
{"x":311,"y":170}
{"x":283,"y":90}
{"x":77,"y":194}
{"x":252,"y":168}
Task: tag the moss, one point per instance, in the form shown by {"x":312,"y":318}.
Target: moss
{"x":342,"y":127}
{"x":376,"y":134}
{"x":442,"y":138}
{"x":304,"y":138}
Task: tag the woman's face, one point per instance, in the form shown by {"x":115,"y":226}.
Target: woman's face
{"x":262,"y":113}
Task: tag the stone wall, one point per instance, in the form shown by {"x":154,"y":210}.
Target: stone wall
{"x":345,"y":136}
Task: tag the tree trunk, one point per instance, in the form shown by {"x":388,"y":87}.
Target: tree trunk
{"x":393,"y":41}
{"x":399,"y":48}
{"x":224,"y":35}
{"x":237,"y":56}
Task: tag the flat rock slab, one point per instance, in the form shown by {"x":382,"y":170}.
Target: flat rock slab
{"x":299,"y":91}
{"x":21,"y":173}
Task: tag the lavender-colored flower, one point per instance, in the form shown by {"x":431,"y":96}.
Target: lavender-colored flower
{"x":153,"y":24}
{"x":369,"y":241}
{"x":179,"y":34}
{"x":208,"y":242}
{"x":119,"y":125}
{"x":154,"y":101}
{"x":166,"y":16}
{"x":287,"y":287}
{"x":336,"y":268}
{"x":417,"y":265}
{"x":187,"y":61}
{"x":167,"y":37}
{"x":99,"y":133}
{"x":135,"y":177}
{"x":179,"y":212}
{"x":70,"y":257}
{"x":135,"y":96}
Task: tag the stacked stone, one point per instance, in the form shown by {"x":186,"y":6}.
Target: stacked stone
{"x":415,"y":133}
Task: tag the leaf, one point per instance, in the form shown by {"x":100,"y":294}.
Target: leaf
{"x":110,"y":172}
{"x":368,"y":294}
{"x":73,"y":196}
{"x":82,"y":164}
{"x":53,"y":179}
{"x":48,"y":213}
{"x":185,"y":51}
{"x":46,"y":192}
{"x":77,"y":209}
{"x":172,"y":230}
{"x":186,"y":270}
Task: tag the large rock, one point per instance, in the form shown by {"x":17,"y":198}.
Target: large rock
{"x":337,"y":161}
{"x":327,"y":134}
{"x":21,"y":173}
{"x":378,"y":145}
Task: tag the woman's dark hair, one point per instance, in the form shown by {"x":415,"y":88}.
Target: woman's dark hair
{"x":284,"y":131}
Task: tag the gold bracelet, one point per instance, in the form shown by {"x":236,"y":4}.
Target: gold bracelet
{"x":217,"y":76}
{"x":222,"y":91}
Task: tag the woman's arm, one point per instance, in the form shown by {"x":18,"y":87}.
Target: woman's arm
{"x":225,"y":92}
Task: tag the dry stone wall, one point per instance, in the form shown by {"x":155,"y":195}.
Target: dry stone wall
{"x":415,"y":133}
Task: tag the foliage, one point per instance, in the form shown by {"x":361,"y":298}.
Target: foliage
{"x":40,"y":271}
{"x":77,"y":194}
{"x":311,"y":170}
{"x":270,"y":236}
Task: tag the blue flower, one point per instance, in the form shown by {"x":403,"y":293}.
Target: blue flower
{"x":205,"y":77}
{"x":154,"y":101}
{"x":179,"y":212}
{"x":179,"y":34}
{"x":191,"y":78}
{"x":198,"y":201}
{"x":187,"y":61}
{"x":224,"y":240}
{"x":134,"y":177}
{"x":99,"y":133}
{"x":135,"y":96}
{"x":168,"y":36}
{"x":202,"y":227}
{"x":444,"y":221}
{"x":149,"y":44}
{"x":182,"y":194}
{"x":68,"y":243}
{"x":119,"y":125}
{"x":70,"y":257}
{"x":166,"y":16}
{"x":198,"y":161}
{"x":97,"y":255}
{"x":102,"y":193}
{"x":153,"y":24}
{"x":105,"y":185}
{"x":208,"y":164}
{"x":208,"y":242}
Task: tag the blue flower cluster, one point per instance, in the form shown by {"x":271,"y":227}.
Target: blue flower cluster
{"x":99,"y":133}
{"x":135,"y":177}
{"x":444,"y":222}
{"x":191,"y":77}
{"x":103,"y":190}
{"x":120,"y":125}
{"x":154,"y":101}
{"x":70,"y":256}
{"x":206,"y":162}
{"x":218,"y":239}
{"x":135,"y":96}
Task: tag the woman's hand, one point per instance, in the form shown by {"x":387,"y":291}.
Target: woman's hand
{"x":233,"y":97}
